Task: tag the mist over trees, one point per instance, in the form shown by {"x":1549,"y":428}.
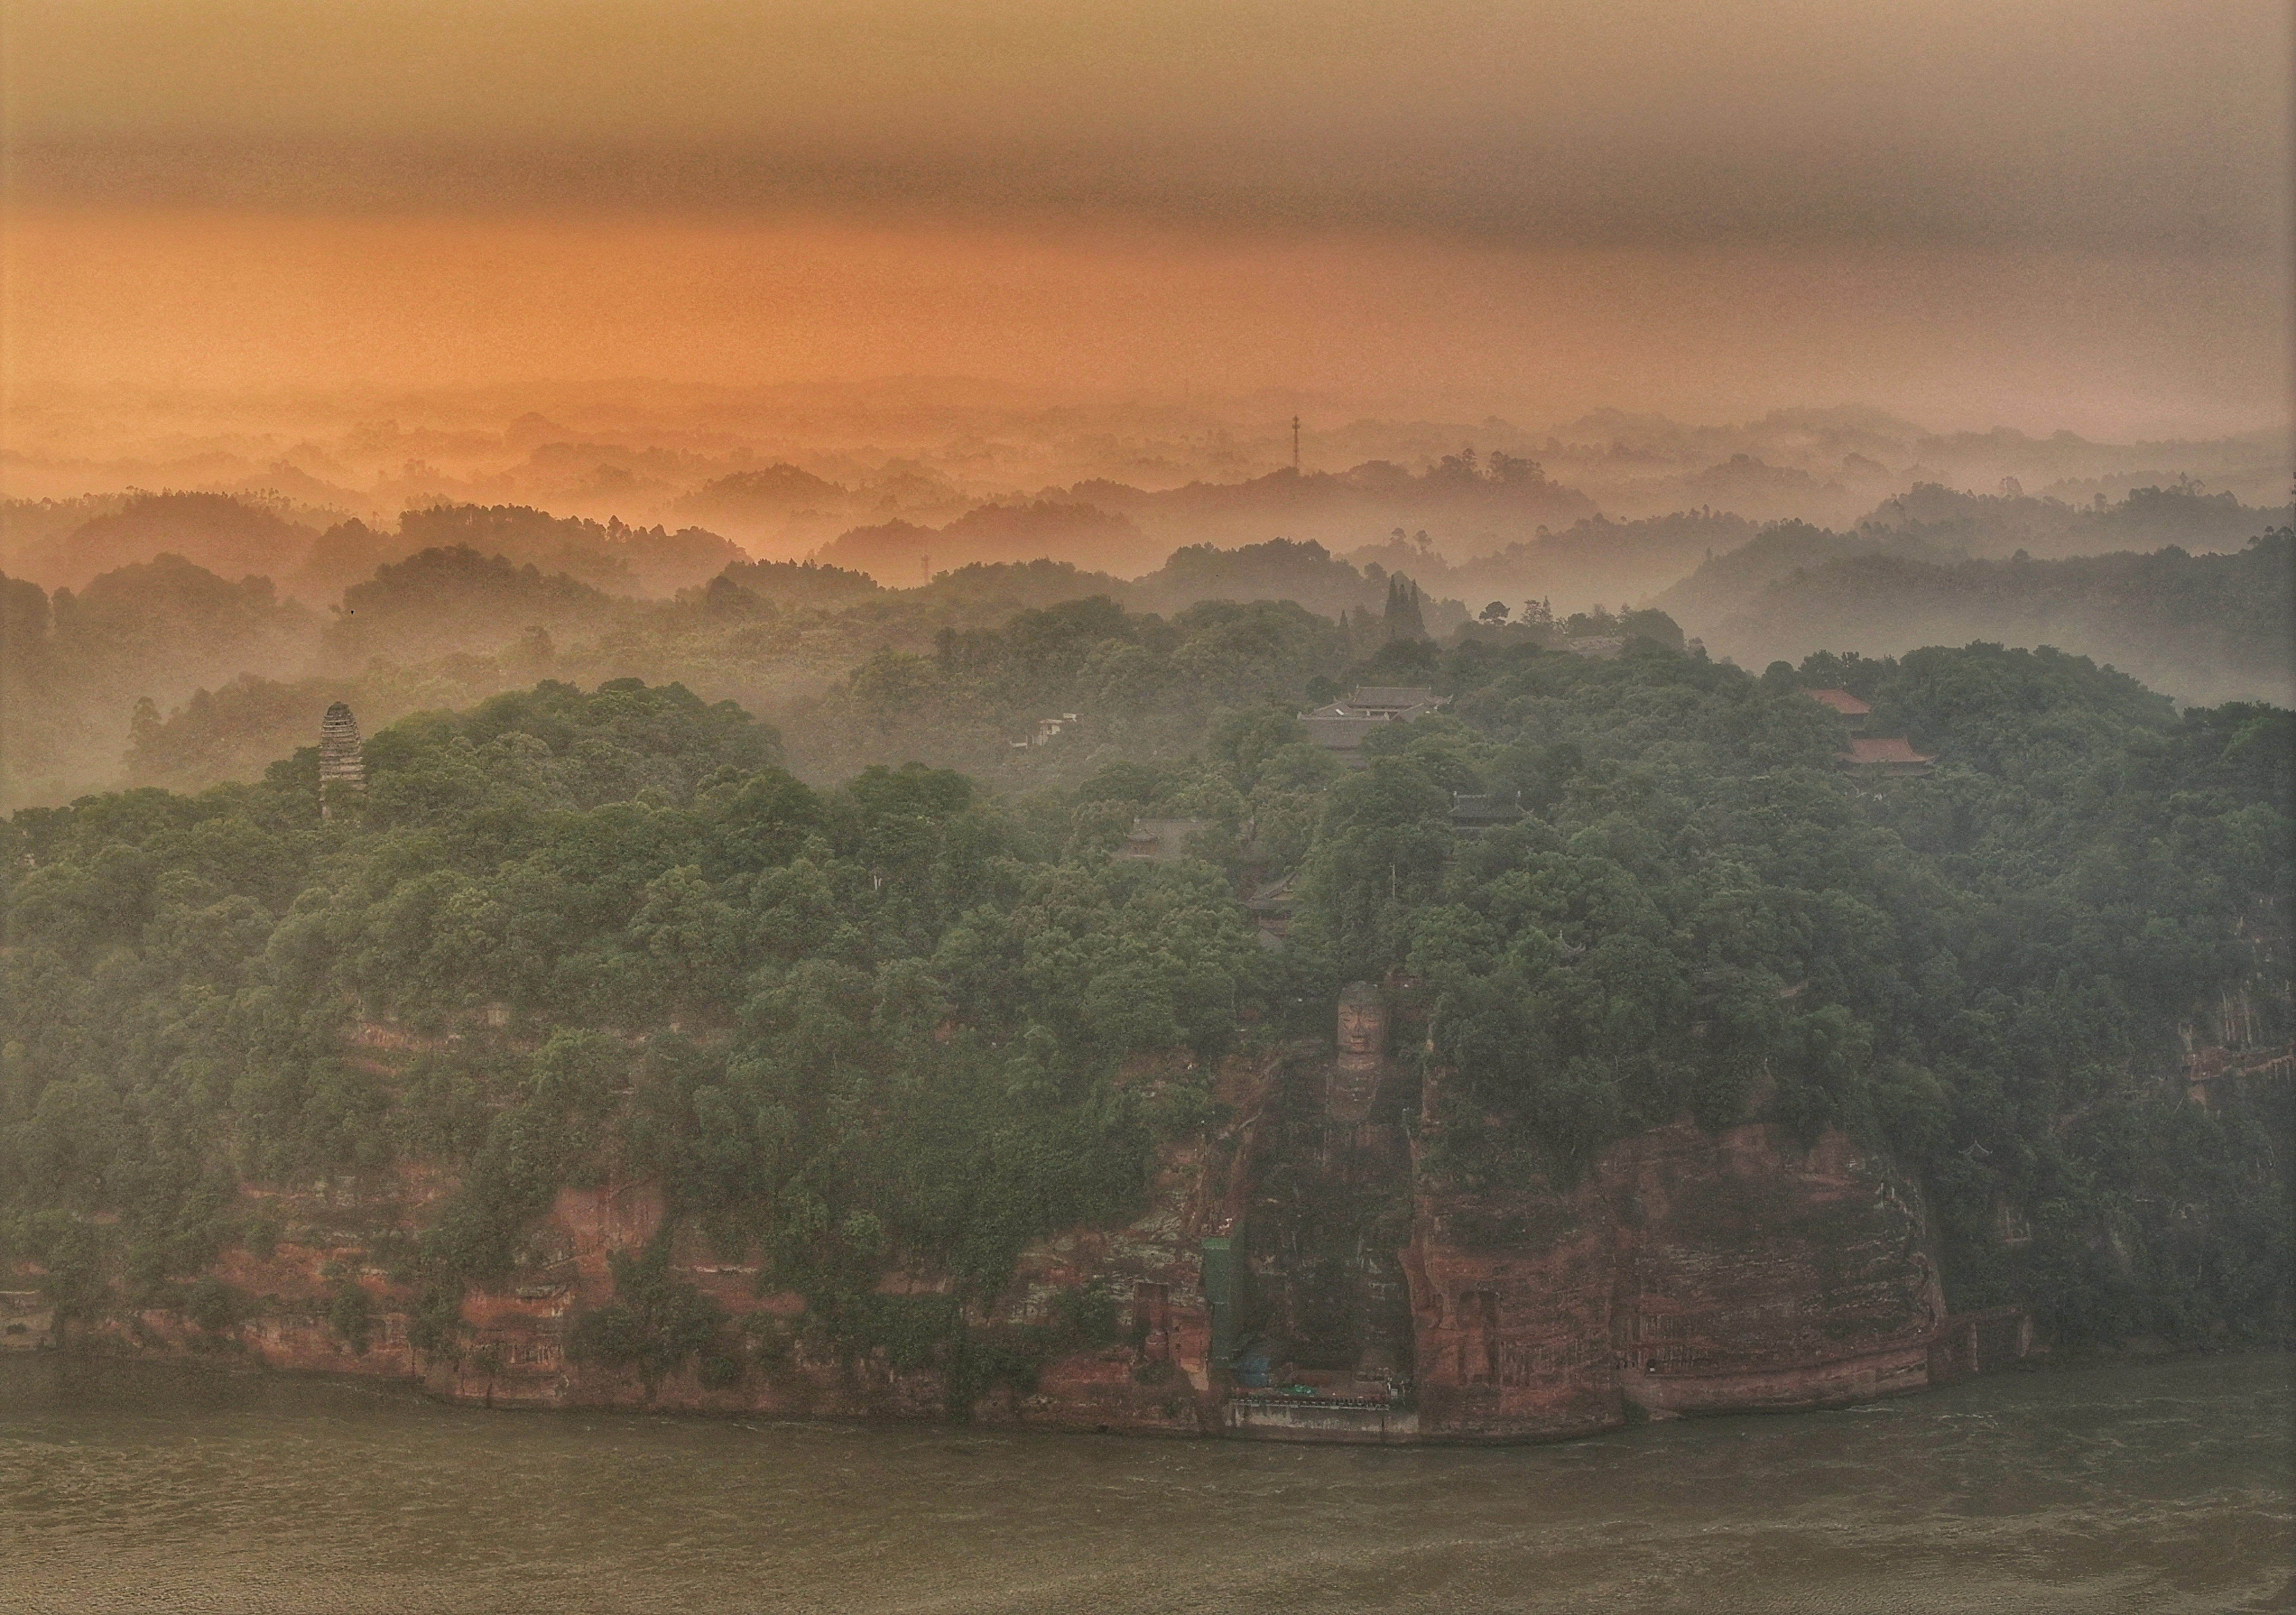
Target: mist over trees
{"x":229,"y":536}
{"x":907,"y":1021}
{"x":77,"y":670}
{"x":452,"y":602}
{"x":1175,"y":862}
{"x":788,"y":881}
{"x":443,"y":601}
{"x":609,"y":555}
{"x":2182,"y":513}
{"x":2205,"y":628}
{"x":898,"y":552}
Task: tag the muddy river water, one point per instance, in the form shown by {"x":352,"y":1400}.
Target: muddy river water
{"x":2153,"y":1486}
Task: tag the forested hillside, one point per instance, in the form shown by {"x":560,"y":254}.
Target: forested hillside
{"x":83,"y":674}
{"x":457,"y":602}
{"x":2204,"y":628}
{"x":951,"y":674}
{"x":910,"y":1023}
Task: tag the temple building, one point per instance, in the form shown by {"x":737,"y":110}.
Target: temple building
{"x":1392,"y":701}
{"x":1471,"y":815}
{"x":1894,"y":756}
{"x":1852,"y":711}
{"x":343,"y":757}
{"x":1343,"y":726}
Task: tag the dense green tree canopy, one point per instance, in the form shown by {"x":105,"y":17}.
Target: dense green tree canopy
{"x":908,"y":1022}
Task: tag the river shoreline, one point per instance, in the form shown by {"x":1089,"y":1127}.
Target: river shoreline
{"x":227,"y":1364}
{"x":129,"y":1485}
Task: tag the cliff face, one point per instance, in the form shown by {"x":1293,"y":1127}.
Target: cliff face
{"x":512,"y":1351}
{"x":1684,"y":1272}
{"x":2243,"y":1037}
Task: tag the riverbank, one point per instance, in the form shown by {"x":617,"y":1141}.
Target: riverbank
{"x":134,"y":1487}
{"x":1246,"y":1416}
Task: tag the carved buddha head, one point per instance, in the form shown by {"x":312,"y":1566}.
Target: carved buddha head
{"x":1362,"y":1025}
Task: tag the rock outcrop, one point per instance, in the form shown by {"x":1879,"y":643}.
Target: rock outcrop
{"x":1303,"y":1271}
{"x":1687,"y":1273}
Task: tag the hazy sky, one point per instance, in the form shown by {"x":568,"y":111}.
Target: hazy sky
{"x":2033,"y":214}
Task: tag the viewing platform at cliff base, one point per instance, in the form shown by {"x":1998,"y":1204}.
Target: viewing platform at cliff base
{"x":1276,"y":1416}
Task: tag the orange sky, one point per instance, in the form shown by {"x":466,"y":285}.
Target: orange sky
{"x":2041,"y":215}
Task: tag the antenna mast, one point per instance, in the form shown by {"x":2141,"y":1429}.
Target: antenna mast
{"x":1295,"y":445}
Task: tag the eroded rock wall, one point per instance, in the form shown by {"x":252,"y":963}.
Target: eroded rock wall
{"x":1686,"y":1273}
{"x":512,"y":1349}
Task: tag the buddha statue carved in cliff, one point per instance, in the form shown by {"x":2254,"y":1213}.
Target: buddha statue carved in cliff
{"x":1351,"y":1089}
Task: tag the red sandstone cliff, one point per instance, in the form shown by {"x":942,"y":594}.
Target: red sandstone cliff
{"x":512,"y":1352}
{"x":1686,"y":1273}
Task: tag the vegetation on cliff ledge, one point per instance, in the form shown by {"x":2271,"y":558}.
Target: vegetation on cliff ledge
{"x":905,"y":1024}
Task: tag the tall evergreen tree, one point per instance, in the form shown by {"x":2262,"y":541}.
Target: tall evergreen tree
{"x":1403,"y":619}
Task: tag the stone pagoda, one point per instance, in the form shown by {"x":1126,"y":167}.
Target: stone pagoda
{"x":342,"y":759}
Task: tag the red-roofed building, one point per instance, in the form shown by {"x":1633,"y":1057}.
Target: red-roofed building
{"x":1894,"y":757}
{"x":1854,"y":711}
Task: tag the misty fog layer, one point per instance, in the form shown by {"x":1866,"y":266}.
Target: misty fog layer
{"x":1351,"y":721}
{"x":864,"y":569}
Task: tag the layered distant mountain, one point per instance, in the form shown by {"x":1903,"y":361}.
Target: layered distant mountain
{"x":451,"y":601}
{"x":73,"y":666}
{"x":902,"y":553}
{"x":229,"y":537}
{"x":615,"y":557}
{"x":2182,"y":513}
{"x":2204,"y":627}
{"x":1464,"y":502}
{"x":236,"y":536}
{"x":1591,"y":563}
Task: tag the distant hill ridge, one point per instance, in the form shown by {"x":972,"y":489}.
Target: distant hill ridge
{"x":2204,"y":628}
